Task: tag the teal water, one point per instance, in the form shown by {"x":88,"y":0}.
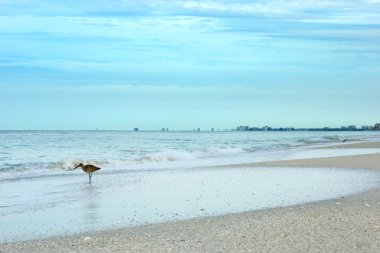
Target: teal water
{"x":149,"y":177}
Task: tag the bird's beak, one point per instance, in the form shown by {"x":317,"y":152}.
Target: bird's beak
{"x":76,"y":167}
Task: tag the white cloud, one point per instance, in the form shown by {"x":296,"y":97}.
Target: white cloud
{"x":338,"y":11}
{"x":264,"y":7}
{"x":348,"y":18}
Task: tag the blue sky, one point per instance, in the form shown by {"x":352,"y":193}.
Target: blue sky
{"x":187,"y":64}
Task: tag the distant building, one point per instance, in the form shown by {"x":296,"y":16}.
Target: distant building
{"x":212,"y":130}
{"x":367,"y":127}
{"x":163,"y":129}
{"x":242,"y":128}
{"x":377,"y":126}
{"x":199,"y":129}
{"x":352,"y":127}
{"x":136,"y":129}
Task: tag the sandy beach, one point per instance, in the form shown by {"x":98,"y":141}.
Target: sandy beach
{"x":372,"y":144}
{"x":189,"y":126}
{"x":345,"y":224}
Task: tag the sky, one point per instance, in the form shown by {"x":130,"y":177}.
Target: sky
{"x":186,"y":64}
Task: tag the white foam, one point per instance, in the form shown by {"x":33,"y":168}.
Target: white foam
{"x":151,"y":160}
{"x":53,"y":206}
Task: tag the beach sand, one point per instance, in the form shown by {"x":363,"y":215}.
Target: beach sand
{"x":373,"y":144}
{"x":346,"y":224}
{"x":370,"y":162}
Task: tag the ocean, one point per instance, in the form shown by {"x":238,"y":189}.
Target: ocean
{"x":28,"y":154}
{"x":151,"y":176}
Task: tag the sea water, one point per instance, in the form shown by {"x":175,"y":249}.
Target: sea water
{"x":149,"y":177}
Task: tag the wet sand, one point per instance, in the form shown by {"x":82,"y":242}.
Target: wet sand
{"x":369,"y":162}
{"x":346,"y":224}
{"x":373,"y":144}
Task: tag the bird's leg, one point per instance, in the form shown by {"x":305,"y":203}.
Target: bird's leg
{"x":89,"y":178}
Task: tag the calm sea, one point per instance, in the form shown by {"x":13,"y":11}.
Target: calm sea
{"x":149,"y":177}
{"x":30,"y":154}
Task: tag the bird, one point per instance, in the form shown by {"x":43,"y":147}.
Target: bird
{"x":89,"y":168}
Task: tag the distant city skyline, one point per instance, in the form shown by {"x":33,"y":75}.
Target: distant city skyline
{"x":375,"y":127}
{"x":121,"y":64}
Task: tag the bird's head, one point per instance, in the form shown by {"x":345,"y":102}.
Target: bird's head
{"x":79,"y":165}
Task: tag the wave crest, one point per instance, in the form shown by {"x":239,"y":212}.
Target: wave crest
{"x":176,"y":155}
{"x":327,"y":139}
{"x":163,"y":156}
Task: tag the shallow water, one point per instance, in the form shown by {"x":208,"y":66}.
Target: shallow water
{"x":29,"y":154}
{"x":45,"y":207}
{"x":149,"y":177}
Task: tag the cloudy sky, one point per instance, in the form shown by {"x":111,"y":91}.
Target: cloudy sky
{"x":184,"y":64}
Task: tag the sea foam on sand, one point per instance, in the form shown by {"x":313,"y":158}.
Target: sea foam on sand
{"x":349,"y":223}
{"x":46,"y":207}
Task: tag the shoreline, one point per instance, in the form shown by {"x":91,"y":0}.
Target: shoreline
{"x":367,"y":162}
{"x":346,"y":224}
{"x":361,"y":161}
{"x":361,"y":144}
{"x":323,"y":226}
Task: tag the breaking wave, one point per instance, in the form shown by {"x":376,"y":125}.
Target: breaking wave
{"x":164,"y":156}
{"x":327,"y":139}
{"x":35,"y":169}
{"x":53,"y":153}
